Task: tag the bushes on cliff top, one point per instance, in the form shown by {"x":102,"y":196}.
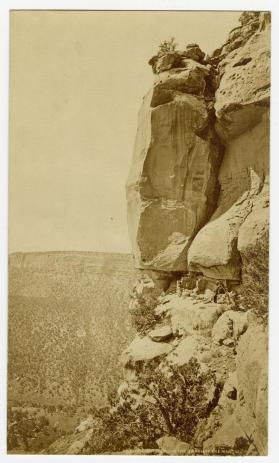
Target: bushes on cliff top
{"x":255,"y":275}
{"x":143,"y":315}
{"x":167,"y":46}
{"x":169,"y":402}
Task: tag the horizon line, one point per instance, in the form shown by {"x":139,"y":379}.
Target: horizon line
{"x":67,"y":251}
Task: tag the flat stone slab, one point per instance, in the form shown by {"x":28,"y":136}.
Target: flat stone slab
{"x":186,"y":349}
{"x":163,"y":333}
{"x":172,"y":446}
{"x":145,"y":349}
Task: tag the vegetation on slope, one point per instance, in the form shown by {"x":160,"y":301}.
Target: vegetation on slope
{"x":166,"y":401}
{"x":143,"y":315}
{"x":67,"y":329}
{"x":255,"y":273}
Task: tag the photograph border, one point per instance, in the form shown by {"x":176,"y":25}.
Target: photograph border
{"x":217,"y":5}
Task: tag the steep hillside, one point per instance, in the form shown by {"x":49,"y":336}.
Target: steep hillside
{"x":67,"y":327}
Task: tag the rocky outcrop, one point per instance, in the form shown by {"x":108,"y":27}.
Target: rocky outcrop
{"x":172,"y":185}
{"x":257,"y":222}
{"x":163,"y":333}
{"x":144,"y":349}
{"x":228,"y":343}
{"x":190,"y":328}
{"x":71,"y":444}
{"x":243,"y":95}
{"x":198,"y":198}
{"x":229,"y":326}
{"x":188,"y":205}
{"x":224,"y":438}
{"x":252,"y":373}
{"x":242,"y":406}
{"x":185,"y":350}
{"x":169,"y":445}
{"x":176,"y":59}
{"x":242,"y":116}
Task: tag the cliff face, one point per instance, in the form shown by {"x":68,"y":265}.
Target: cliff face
{"x":198,"y":186}
{"x":242,"y":122}
{"x":198,"y":201}
{"x":172,"y":187}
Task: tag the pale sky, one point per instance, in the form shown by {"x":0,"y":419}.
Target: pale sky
{"x":76,"y":84}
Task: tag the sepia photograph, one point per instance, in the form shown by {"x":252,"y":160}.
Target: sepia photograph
{"x":138,"y":232}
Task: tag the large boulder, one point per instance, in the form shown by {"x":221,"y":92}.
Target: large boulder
{"x":162,"y":333}
{"x":176,"y":59}
{"x":231,"y":324}
{"x":172,"y":184}
{"x":170,"y":445}
{"x":242,"y":210}
{"x":194,"y":52}
{"x":182,"y":319}
{"x":206,"y":315}
{"x":164,"y":62}
{"x":224,"y":440}
{"x":144,"y":349}
{"x":252,"y":373}
{"x":214,"y":250}
{"x":188,"y":315}
{"x":186,"y":349}
{"x":189,"y":79}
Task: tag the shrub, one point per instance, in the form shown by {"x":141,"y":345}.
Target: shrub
{"x":241,"y":445}
{"x":254,"y":291}
{"x":179,"y":394}
{"x":25,"y":431}
{"x":144,"y":317}
{"x":166,"y":402}
{"x":167,"y":46}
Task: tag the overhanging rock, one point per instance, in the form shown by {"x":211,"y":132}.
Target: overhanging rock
{"x":172,"y":186}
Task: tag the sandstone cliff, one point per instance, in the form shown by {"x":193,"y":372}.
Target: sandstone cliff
{"x":198,"y":200}
{"x":173,"y":183}
{"x":242,"y":122}
{"x":197,"y":190}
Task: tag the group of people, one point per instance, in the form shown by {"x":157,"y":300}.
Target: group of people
{"x":192,"y":282}
{"x":197,"y":283}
